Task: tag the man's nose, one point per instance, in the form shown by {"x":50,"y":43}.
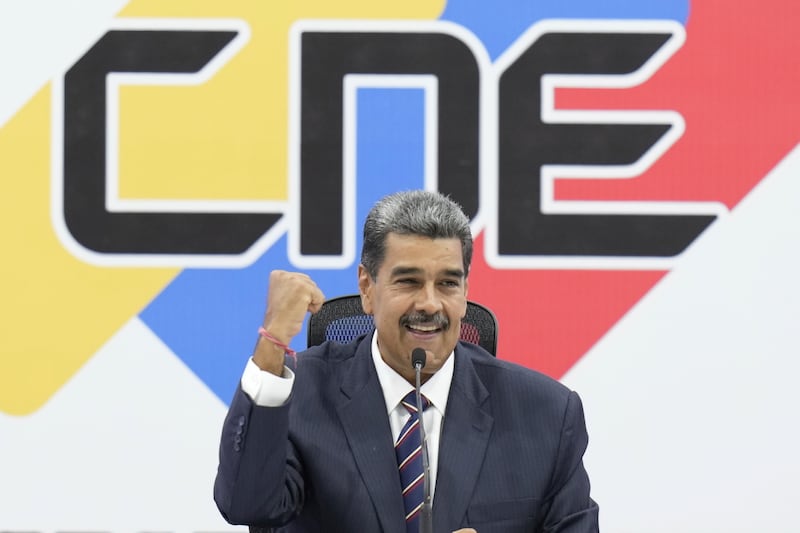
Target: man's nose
{"x":428,"y":299}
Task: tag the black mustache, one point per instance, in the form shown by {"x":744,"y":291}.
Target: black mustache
{"x":437,"y":319}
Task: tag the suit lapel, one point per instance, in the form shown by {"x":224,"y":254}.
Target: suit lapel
{"x":362,"y":412}
{"x":465,"y":435}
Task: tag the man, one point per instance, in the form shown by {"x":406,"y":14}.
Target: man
{"x":315,"y":450}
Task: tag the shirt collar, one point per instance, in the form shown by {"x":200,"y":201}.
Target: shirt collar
{"x":395,"y":387}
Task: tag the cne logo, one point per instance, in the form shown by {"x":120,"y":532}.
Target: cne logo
{"x":495,"y":142}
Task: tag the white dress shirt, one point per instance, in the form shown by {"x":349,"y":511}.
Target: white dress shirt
{"x":269,"y":390}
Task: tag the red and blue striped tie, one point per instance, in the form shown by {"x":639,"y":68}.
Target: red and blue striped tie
{"x":409,"y":460}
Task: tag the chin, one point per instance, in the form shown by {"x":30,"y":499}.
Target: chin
{"x":438,"y":360}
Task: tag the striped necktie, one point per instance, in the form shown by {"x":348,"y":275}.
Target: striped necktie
{"x":409,"y":460}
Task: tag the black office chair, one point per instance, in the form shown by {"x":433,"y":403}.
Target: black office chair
{"x":342,"y":319}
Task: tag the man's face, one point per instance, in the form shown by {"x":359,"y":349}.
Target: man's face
{"x":418,"y":300}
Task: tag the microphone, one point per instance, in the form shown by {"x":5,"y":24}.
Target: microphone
{"x":426,"y":513}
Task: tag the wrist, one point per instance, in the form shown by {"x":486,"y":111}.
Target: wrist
{"x":270,"y":351}
{"x":268,"y":356}
{"x":266,"y":335}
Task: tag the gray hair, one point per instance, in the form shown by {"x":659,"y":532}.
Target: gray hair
{"x":423,"y":213}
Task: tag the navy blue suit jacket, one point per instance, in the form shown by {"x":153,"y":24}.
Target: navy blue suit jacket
{"x":510,"y":458}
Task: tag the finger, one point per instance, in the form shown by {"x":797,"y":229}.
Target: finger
{"x":317,"y":299}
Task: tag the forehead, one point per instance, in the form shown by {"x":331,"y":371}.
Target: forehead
{"x":423,"y":253}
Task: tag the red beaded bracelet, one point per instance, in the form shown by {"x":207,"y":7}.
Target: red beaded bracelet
{"x":267,"y":335}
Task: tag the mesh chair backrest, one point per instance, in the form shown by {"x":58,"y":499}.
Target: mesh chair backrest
{"x":342,"y":319}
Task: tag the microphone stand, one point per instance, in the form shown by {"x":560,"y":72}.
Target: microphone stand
{"x":426,"y":513}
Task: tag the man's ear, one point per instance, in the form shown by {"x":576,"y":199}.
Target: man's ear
{"x":466,"y":293}
{"x":365,"y":288}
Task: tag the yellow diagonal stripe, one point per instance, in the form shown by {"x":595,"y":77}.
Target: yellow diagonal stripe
{"x":57,"y":311}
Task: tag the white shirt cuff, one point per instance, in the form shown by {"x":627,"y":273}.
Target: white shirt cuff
{"x":265,"y":388}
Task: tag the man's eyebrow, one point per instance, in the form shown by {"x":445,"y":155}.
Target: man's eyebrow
{"x":454,"y":272}
{"x":410,"y":271}
{"x":405,"y":271}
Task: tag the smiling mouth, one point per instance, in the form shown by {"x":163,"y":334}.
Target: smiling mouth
{"x":423,"y":328}
{"x":425,"y":324}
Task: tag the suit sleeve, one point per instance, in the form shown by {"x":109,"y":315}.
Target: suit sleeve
{"x":259,"y":479}
{"x":571,"y":509}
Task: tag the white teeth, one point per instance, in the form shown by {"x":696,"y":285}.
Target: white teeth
{"x":426,"y":329}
